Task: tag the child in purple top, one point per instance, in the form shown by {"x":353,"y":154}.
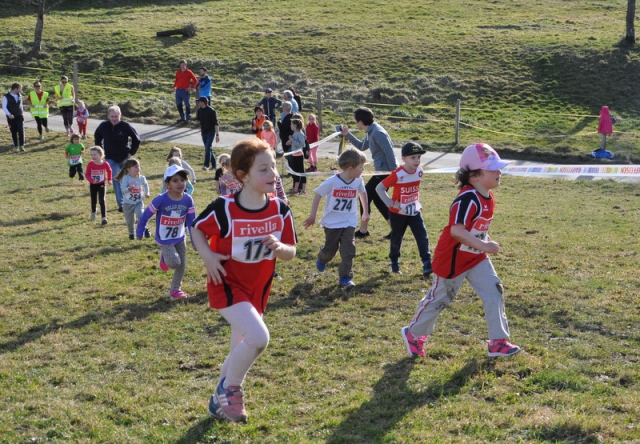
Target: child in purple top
{"x":173,"y":208}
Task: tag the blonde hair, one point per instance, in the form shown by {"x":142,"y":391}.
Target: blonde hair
{"x":268,"y":123}
{"x":225,"y":161}
{"x":174,"y":161}
{"x":98,"y":149}
{"x":81,"y":104}
{"x":173,"y":151}
{"x":130,"y":162}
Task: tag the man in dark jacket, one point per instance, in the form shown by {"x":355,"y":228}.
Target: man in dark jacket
{"x":120,"y":141}
{"x":209,"y":127}
{"x":269,"y":105}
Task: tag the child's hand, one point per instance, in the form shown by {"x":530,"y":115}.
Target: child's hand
{"x":272,"y":243}
{"x":215,"y":270}
{"x":309,"y":221}
{"x":194,"y":181}
{"x":365,"y":217}
{"x":110,"y":182}
{"x":396,"y":205}
{"x":147,"y":196}
{"x":492,"y":247}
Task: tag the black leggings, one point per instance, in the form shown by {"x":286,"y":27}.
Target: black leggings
{"x":97,"y":191}
{"x":372,"y":195}
{"x":67,"y":115}
{"x":297,"y":164}
{"x":41,"y":121}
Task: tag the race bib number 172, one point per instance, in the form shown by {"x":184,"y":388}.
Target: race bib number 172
{"x":248,"y":235}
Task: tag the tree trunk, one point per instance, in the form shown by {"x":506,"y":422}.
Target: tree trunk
{"x":37,"y":39}
{"x":630,"y":36}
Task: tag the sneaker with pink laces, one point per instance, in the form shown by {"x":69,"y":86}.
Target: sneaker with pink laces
{"x":415,"y":345}
{"x":178,"y":294}
{"x":501,"y":347}
{"x":231,"y":402}
{"x":163,"y":264}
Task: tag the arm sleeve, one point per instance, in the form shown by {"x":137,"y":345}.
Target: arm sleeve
{"x":135,"y":140}
{"x":359,"y":144}
{"x":4,"y":106}
{"x":144,"y":219}
{"x":382,"y":192}
{"x":187,"y":167}
{"x":384,"y":142}
{"x":280,"y":189}
{"x":98,"y":135}
{"x":145,"y":185}
{"x":109,"y":171}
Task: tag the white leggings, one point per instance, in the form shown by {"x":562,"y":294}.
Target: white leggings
{"x":249,"y":338}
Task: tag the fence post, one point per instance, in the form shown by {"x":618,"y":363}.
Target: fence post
{"x":457,"y":121}
{"x":319,"y":108}
{"x":75,"y":79}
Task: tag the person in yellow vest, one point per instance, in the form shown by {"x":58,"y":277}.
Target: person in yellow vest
{"x":65,"y":96}
{"x":39,"y":101}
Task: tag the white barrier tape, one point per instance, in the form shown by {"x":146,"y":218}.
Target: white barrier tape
{"x":314,"y":144}
{"x":534,"y":170}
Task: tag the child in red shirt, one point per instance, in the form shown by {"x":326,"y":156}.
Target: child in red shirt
{"x":313,"y":135}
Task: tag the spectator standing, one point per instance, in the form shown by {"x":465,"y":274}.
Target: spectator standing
{"x":65,"y":97}
{"x":288,"y":96}
{"x":209,"y":128}
{"x":120,"y":141}
{"x":39,"y":101}
{"x":269,"y":105}
{"x":257,"y":121}
{"x":14,"y":110}
{"x":185,"y":81}
{"x":313,"y":135}
{"x":296,"y":97}
{"x":378,"y":141}
{"x":203,"y":88}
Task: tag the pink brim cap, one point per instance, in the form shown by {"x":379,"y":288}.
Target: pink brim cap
{"x":480,"y":156}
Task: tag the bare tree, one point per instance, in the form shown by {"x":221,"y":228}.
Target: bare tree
{"x":42,"y":7}
{"x":630,"y":35}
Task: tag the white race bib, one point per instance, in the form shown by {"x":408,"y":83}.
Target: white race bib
{"x":410,"y":204}
{"x":74,"y":160}
{"x":172,"y":227}
{"x":247,"y":236}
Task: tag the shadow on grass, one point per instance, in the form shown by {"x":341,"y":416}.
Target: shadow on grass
{"x":117,"y":315}
{"x":393,"y":399}
{"x":314,"y":301}
{"x":55,"y":216}
{"x":198,"y":431}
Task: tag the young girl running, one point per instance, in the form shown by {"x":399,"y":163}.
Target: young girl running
{"x":82,"y":114}
{"x":172,"y":209}
{"x":247,"y":231}
{"x":226,"y":183}
{"x":177,"y":152}
{"x":98,"y":172}
{"x":297,"y":160}
{"x":134,"y":187}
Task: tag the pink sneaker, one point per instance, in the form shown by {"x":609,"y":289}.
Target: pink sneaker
{"x":501,"y":347}
{"x":231,"y":402}
{"x":415,"y":345}
{"x":163,"y":264}
{"x":178,"y":294}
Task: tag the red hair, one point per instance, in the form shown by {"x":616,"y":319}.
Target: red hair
{"x":244,"y":153}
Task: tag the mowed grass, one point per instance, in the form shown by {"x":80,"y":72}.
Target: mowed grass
{"x":532,"y":76}
{"x":93,"y":349}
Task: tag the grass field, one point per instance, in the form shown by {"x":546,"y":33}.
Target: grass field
{"x":532,"y":76}
{"x":93,"y":350}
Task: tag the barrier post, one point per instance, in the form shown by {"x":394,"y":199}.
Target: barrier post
{"x":457,"y":121}
{"x":319,"y":108}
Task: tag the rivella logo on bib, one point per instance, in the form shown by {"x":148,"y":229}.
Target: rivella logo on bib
{"x":344,"y":194}
{"x":253,"y":228}
{"x":168,"y":221}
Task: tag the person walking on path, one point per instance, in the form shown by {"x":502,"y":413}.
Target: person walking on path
{"x":378,"y":141}
{"x":14,"y":110}
{"x":65,"y":97}
{"x":203,"y":88}
{"x":185,"y":81}
{"x":269,"y":105}
{"x":209,"y":128}
{"x":114,"y":135}
{"x":39,"y":101}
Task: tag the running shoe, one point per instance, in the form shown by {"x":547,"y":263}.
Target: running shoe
{"x":163,"y":264}
{"x":346,"y":283}
{"x":427,"y":269}
{"x":146,"y":233}
{"x":104,"y":221}
{"x":231,"y":402}
{"x":320,"y":266}
{"x":360,"y":235}
{"x":214,"y":407}
{"x":415,"y":345}
{"x":178,"y":294}
{"x":501,"y":347}
{"x":92,"y":217}
{"x":395,"y":268}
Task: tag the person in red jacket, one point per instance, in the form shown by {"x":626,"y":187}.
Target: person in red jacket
{"x":185,"y":81}
{"x":313,"y":136}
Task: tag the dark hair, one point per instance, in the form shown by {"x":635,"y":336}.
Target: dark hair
{"x":15,"y":86}
{"x":203,"y":69}
{"x":364,"y":115}
{"x":297,"y":123}
{"x":258,"y":107}
{"x":351,"y":158}
{"x":244,"y":153}
{"x":182,"y":173}
{"x":74,"y":136}
{"x":182,"y":61}
{"x":463,"y":176}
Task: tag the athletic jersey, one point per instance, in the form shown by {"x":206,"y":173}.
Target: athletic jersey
{"x":238,"y":232}
{"x":96,"y":174}
{"x":74,"y":153}
{"x":170,"y":218}
{"x":475,"y":212}
{"x":341,"y":206}
{"x":82,"y":116}
{"x":133,"y":189}
{"x":406,"y":190}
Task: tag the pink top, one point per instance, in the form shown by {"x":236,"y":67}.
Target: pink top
{"x":604,"y":123}
{"x":270,"y":138}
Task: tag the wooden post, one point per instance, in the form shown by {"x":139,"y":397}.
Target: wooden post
{"x":319,"y":108}
{"x":457,"y":121}
{"x":75,"y":84}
